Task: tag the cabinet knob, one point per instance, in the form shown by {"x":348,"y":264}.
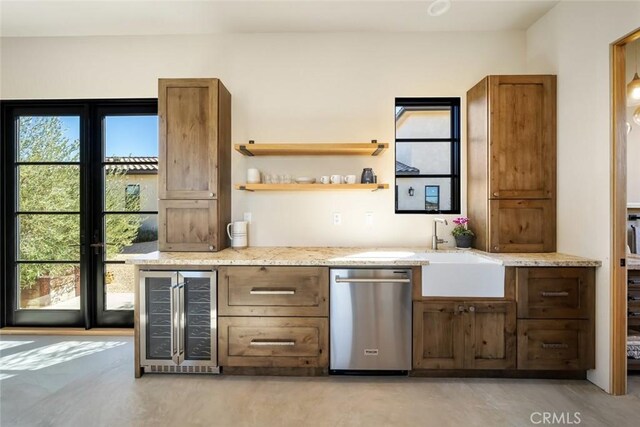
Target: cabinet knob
{"x":495,"y":248}
{"x":210,"y":247}
{"x":211,"y":194}
{"x":461,"y":308}
{"x":496,"y":194}
{"x":472,"y":309}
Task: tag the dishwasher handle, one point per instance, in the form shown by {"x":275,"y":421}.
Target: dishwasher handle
{"x":338,"y":279}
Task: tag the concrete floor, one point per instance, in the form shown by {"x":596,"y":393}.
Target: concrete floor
{"x":88,"y":381}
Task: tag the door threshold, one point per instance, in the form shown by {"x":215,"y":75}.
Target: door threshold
{"x":98,"y":332}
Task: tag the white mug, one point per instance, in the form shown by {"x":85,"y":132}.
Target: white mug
{"x":349,"y":179}
{"x":325,"y":179}
{"x":237,"y":232}
{"x":336,"y":179}
{"x":253,"y":176}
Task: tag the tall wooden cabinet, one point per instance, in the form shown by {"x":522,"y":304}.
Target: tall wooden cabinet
{"x":194,"y":164}
{"x":511,"y":163}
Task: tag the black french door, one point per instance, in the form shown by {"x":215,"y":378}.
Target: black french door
{"x":79,"y":181}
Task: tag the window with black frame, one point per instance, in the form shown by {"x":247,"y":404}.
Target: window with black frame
{"x":427,"y":155}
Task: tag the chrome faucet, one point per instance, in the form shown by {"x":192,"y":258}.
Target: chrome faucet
{"x":434,"y":240}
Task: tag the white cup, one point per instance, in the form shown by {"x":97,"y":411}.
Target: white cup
{"x":336,"y":179}
{"x":237,"y":232}
{"x":349,"y":179}
{"x":325,"y":179}
{"x":253,"y":176}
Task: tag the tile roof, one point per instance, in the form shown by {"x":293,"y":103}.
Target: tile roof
{"x":402,"y":169}
{"x":134,"y":165}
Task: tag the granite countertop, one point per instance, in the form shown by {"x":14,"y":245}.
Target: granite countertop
{"x":342,"y":256}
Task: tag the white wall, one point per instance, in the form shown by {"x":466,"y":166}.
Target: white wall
{"x":572,"y":40}
{"x":286,"y":88}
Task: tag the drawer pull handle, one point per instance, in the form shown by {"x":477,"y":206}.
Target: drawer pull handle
{"x":272,"y":342}
{"x":265,"y":291}
{"x":348,"y":280}
{"x":555,"y":294}
{"x":554,"y":346}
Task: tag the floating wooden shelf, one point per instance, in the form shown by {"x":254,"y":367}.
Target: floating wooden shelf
{"x":372,"y":148}
{"x":310,"y":187}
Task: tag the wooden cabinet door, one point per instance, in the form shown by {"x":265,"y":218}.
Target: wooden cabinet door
{"x":522,"y":149}
{"x":438,"y":336}
{"x":188,"y":138}
{"x":490,"y":335}
{"x":188,"y":225}
{"x":555,"y":293}
{"x":522,"y":226}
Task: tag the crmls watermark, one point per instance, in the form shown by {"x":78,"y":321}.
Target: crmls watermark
{"x":557,"y":418}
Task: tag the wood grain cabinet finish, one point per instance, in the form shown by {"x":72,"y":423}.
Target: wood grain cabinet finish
{"x":555,"y":293}
{"x":511,"y":163}
{"x":275,"y":342}
{"x":464,"y":335}
{"x":522,"y":225}
{"x":194,"y":164}
{"x":438,"y":336}
{"x":190,"y":225}
{"x":273,"y":291}
{"x":559,"y":344}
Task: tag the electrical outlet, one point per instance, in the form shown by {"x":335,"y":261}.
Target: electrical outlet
{"x":368,"y":218}
{"x":247,"y":217}
{"x":337,"y":218}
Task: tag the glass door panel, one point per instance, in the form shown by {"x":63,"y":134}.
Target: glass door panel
{"x":197,"y":308}
{"x":129,"y":206}
{"x":158,"y":302}
{"x":47,"y":222}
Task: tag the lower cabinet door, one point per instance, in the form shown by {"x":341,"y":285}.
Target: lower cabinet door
{"x":490,"y":335}
{"x":273,"y":342}
{"x":438,"y":336}
{"x":555,"y":344}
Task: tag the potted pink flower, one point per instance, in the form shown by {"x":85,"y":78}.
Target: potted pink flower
{"x":461,"y":232}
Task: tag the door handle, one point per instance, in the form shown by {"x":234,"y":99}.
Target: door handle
{"x":354,"y":280}
{"x":175,"y":333}
{"x":181,"y":327}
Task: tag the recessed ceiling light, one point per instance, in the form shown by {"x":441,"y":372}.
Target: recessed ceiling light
{"x":439,"y":7}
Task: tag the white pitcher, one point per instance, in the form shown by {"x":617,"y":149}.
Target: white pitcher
{"x":237,"y":232}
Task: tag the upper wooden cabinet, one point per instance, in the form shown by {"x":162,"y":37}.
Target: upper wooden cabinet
{"x":522,"y":129}
{"x":194,"y":164}
{"x":511,"y":163}
{"x":195,"y":138}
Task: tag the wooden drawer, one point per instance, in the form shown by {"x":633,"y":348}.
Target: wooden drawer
{"x":273,"y":291}
{"x":273,"y":342}
{"x":557,"y":292}
{"x":555,"y":345}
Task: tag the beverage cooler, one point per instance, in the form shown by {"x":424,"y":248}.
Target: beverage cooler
{"x":178,"y":329}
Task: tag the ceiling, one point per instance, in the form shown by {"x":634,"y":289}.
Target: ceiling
{"x":45,"y":18}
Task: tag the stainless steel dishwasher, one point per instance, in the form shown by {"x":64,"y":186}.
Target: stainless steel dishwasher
{"x":370,"y":321}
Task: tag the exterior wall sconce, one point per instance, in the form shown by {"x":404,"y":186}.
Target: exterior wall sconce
{"x":411,"y":191}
